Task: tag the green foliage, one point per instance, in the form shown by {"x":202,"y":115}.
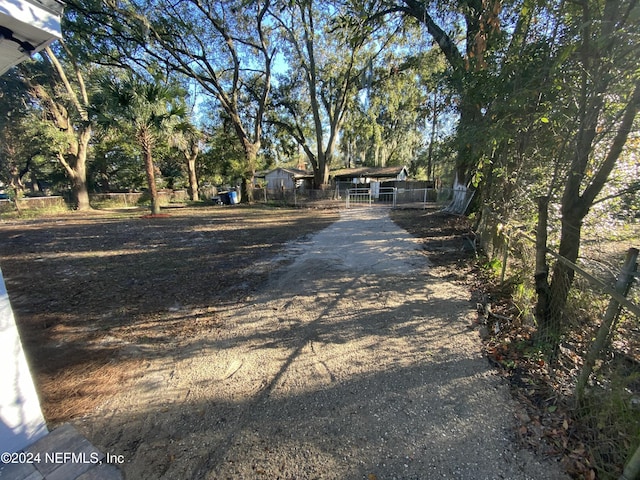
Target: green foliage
{"x":610,"y":410}
{"x":387,"y":125}
{"x":222,"y":160}
{"x":443,"y":161}
{"x":117,"y":164}
{"x":30,"y":139}
{"x":494,"y":266}
{"x":145,"y":106}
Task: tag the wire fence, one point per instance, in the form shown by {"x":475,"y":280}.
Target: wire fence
{"x":328,"y":198}
{"x":349,"y":195}
{"x":589,"y":386}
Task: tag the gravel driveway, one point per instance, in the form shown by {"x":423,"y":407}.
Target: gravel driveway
{"x":353,"y":362}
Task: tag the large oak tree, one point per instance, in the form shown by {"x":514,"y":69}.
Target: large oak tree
{"x":328,"y":53}
{"x":224,"y":45}
{"x":64,"y":99}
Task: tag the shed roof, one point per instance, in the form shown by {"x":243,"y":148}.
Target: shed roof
{"x":294,"y":172}
{"x":375,"y":172}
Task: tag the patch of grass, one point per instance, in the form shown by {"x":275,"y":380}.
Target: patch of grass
{"x":32,"y":213}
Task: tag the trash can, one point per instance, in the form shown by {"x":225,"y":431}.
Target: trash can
{"x":224,"y":198}
{"x":233,"y":197}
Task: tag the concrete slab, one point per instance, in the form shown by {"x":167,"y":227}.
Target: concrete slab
{"x":63,"y":454}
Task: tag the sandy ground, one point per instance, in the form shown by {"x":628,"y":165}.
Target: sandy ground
{"x":353,"y":361}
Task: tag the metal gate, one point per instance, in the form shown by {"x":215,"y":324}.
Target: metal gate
{"x":367,"y":197}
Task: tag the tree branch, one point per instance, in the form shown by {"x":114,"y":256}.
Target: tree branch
{"x":67,"y":85}
{"x":601,"y":177}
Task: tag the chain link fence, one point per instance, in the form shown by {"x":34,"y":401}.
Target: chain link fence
{"x":339,"y":196}
{"x":591,"y":381}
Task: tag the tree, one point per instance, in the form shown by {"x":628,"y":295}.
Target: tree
{"x":518,"y":151}
{"x":467,"y":60}
{"x":327,"y":61}
{"x":187,"y":139}
{"x":117,"y":164}
{"x":29,"y":143}
{"x":387,"y":124}
{"x":65,"y":103}
{"x":148,"y":109}
{"x":599,"y":68}
{"x":223,"y":45}
{"x":16,"y":151}
{"x":222,"y":158}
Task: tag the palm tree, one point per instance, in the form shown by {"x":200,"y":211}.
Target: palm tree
{"x":148,"y":108}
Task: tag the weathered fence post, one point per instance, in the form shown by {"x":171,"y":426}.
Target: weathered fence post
{"x":632,"y":468}
{"x":505,"y":257}
{"x":541,"y":275}
{"x":604,"y":332}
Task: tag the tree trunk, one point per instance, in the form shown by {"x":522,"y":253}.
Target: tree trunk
{"x":80,"y":172}
{"x":146,"y":144}
{"x":434,"y":127}
{"x":251,"y":154}
{"x":82,"y":194}
{"x":76,"y":169}
{"x":476,"y":17}
{"x":193,"y":179}
{"x":562,"y":277}
{"x":468,"y":154}
{"x":74,"y":161}
{"x":575,"y":207}
{"x":78,"y":137}
{"x":543,"y":306}
{"x":321,"y":173}
{"x":550,"y":308}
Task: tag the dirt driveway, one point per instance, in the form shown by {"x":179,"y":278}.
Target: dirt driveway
{"x":352,"y":361}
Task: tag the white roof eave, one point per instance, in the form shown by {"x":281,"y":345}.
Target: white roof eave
{"x":26,"y":28}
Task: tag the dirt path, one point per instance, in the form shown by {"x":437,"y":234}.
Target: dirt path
{"x":353,"y":362}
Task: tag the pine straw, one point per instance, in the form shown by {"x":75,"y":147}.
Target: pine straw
{"x":79,"y":389}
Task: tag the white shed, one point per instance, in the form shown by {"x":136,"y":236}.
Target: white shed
{"x":288,"y":179}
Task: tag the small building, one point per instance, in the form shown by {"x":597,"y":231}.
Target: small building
{"x":366,"y":175}
{"x":287,"y":179}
